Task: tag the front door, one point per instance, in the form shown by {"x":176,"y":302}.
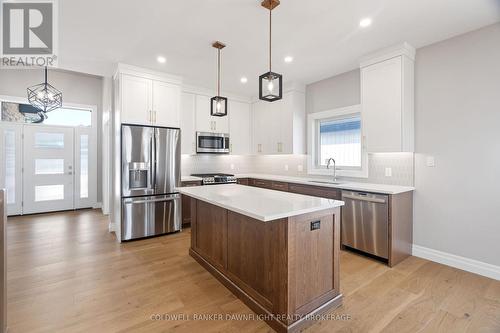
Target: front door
{"x":48,"y":169}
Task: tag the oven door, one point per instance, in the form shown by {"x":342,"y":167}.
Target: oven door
{"x":214,"y":143}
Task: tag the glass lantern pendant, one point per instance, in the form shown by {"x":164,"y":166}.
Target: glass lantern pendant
{"x":218,"y":104}
{"x":44,"y":97}
{"x":270,"y":83}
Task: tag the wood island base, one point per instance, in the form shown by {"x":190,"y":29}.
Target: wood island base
{"x":285,"y":270}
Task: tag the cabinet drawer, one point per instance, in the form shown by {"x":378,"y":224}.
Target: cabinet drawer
{"x":280,"y":186}
{"x":261,"y":183}
{"x":242,"y":181}
{"x":191,"y":183}
{"x":315,"y":191}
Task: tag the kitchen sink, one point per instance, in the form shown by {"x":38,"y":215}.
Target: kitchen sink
{"x":326,"y":182}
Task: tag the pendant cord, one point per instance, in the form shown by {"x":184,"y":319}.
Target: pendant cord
{"x":45,"y":75}
{"x":270,"y":39}
{"x":218,"y":72}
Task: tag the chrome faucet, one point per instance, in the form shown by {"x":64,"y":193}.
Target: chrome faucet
{"x":334,"y":167}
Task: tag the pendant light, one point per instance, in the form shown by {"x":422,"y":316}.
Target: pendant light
{"x":218,"y":104}
{"x":44,"y":97}
{"x":270,"y":83}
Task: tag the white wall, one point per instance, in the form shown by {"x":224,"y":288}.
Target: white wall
{"x":76,"y":88}
{"x":458,"y":122}
{"x":335,"y":92}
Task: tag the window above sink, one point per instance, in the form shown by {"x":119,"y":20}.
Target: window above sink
{"x":337,"y":134}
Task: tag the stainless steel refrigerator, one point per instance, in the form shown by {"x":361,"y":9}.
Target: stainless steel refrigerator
{"x":150,"y":174}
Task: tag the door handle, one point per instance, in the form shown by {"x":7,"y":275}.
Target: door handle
{"x":133,"y":202}
{"x":360,"y":198}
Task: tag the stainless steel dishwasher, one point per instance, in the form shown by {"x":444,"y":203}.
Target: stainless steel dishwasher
{"x":365,"y":222}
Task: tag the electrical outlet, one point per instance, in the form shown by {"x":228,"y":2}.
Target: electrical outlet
{"x":286,"y":167}
{"x":300,"y":168}
{"x":430,"y":161}
{"x":388,"y":172}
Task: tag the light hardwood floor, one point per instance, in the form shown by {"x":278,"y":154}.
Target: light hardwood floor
{"x":66,"y":273}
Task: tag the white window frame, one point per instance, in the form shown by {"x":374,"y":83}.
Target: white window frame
{"x":91,"y":201}
{"x":312,"y":143}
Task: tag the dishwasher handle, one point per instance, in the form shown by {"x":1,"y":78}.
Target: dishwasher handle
{"x":363,"y":198}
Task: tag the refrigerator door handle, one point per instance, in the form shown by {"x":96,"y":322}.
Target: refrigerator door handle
{"x":135,"y":201}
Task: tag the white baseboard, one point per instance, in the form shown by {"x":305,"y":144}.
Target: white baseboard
{"x":466,"y":264}
{"x":98,"y":205}
{"x":111,"y":227}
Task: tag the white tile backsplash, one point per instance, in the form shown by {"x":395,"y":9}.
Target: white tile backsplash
{"x":401,"y":165}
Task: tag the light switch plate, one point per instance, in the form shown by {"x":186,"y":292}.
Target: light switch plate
{"x":388,"y":172}
{"x":430,"y":161}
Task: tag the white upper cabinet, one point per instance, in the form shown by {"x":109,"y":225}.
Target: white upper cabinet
{"x":187,"y":120}
{"x":148,"y":98}
{"x":136,"y":99}
{"x":239,"y":127}
{"x":387,"y":98}
{"x":166,"y":104}
{"x":205,"y":122}
{"x":279,"y":127}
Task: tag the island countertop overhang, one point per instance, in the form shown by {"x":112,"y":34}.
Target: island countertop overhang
{"x":261,"y":204}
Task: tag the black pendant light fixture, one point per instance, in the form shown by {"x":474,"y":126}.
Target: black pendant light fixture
{"x":44,"y":97}
{"x":270,"y":83}
{"x":218,"y":104}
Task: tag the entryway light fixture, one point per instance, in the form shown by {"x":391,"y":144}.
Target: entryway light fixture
{"x":270,"y":83}
{"x":218,"y":104}
{"x":44,"y":97}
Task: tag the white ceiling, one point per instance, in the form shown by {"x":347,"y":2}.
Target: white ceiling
{"x":323,"y":36}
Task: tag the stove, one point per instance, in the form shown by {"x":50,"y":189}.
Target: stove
{"x":216,"y":178}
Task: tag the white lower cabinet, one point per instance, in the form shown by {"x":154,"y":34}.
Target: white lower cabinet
{"x":279,"y":127}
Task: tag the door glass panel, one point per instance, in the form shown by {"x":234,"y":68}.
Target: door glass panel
{"x":84,"y":166}
{"x":49,"y":140}
{"x":49,"y":192}
{"x":10,"y":165}
{"x":49,"y":166}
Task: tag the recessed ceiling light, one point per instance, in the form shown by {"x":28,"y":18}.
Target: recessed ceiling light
{"x":161,"y":59}
{"x":244,"y":80}
{"x":366,"y":22}
{"x":288,"y":59}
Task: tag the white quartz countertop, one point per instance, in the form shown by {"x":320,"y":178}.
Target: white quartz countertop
{"x":344,"y":185}
{"x":258,"y":203}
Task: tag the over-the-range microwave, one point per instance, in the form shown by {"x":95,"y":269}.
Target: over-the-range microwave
{"x":212,"y":143}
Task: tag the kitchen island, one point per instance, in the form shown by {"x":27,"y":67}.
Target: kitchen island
{"x":277,"y":251}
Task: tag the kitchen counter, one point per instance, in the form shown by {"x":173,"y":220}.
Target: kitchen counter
{"x":260,"y":204}
{"x":344,"y":185}
{"x":277,"y":251}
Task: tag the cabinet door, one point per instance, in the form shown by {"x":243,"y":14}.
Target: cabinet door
{"x":382,"y":105}
{"x":136,"y":100}
{"x":221,"y":124}
{"x":166,"y":104}
{"x":239,"y":127}
{"x":204,"y":122}
{"x":187,"y":123}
